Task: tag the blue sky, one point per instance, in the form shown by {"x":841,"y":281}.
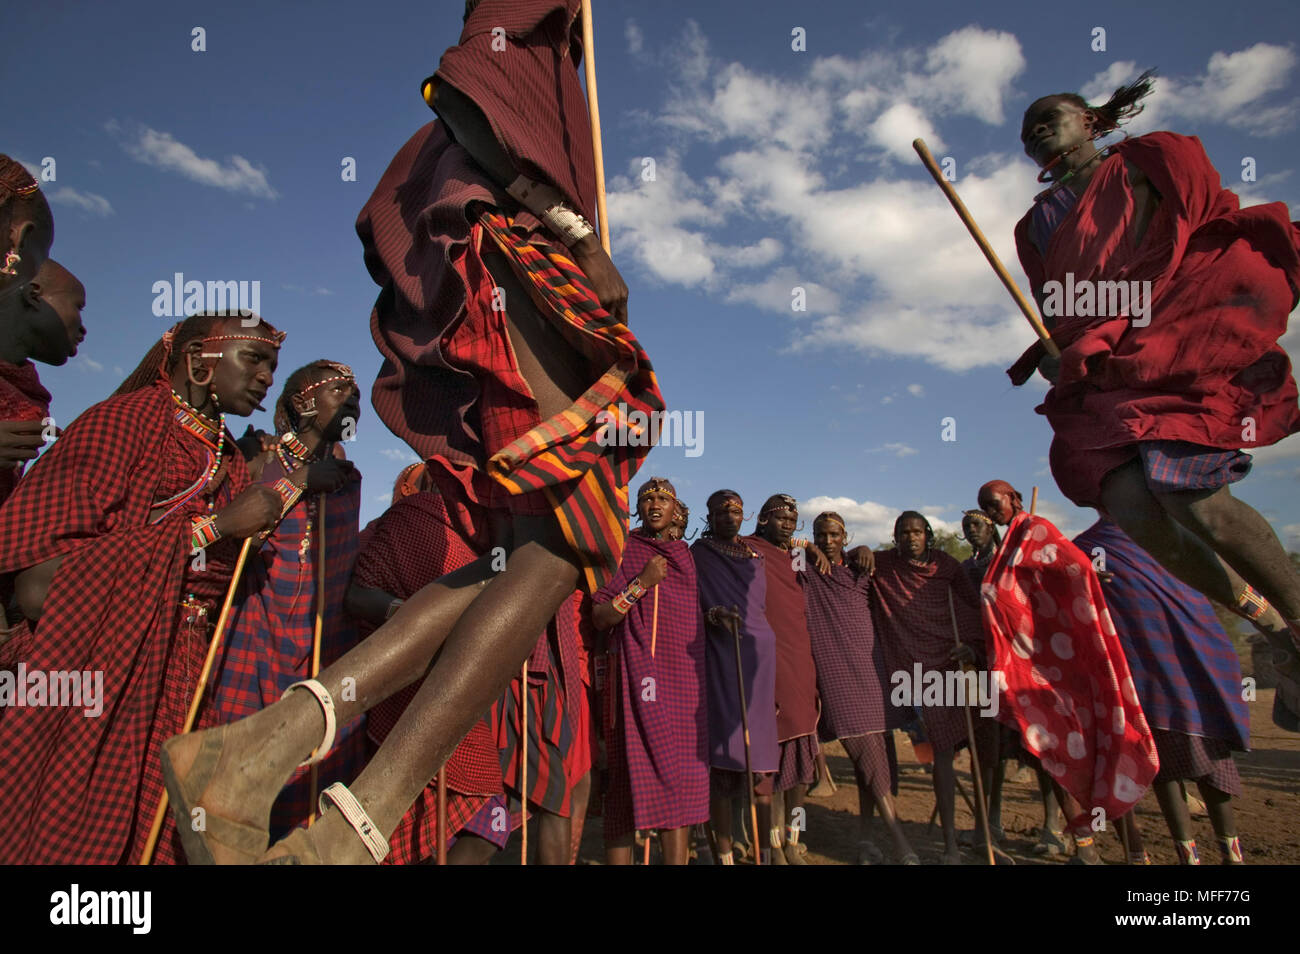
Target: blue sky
{"x":774,"y":169}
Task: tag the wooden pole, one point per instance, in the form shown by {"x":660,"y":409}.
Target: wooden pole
{"x":981,"y":807}
{"x":523,"y":771}
{"x":969,"y":221}
{"x":316,"y":634}
{"x":593,"y":111}
{"x":1033,"y":500}
{"x":654,"y":624}
{"x":147,"y":855}
{"x":744,"y":722}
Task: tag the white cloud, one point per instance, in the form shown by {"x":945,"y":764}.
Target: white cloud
{"x":916,"y":390}
{"x":635,"y":39}
{"x":403,"y":455}
{"x":895,"y":448}
{"x":1232,"y":89}
{"x":868,"y":522}
{"x":1287,"y":449}
{"x":86,"y":201}
{"x":83,"y":361}
{"x":895,"y":128}
{"x":162,"y":149}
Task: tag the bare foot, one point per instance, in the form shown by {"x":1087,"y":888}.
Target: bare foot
{"x":329,"y":841}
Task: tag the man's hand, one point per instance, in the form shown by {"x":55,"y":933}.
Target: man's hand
{"x":654,"y":572}
{"x":605,"y":280}
{"x":863,"y":559}
{"x":820,"y":560}
{"x":723,"y":616}
{"x":255,"y":510}
{"x":1049,"y":367}
{"x":323,"y":476}
{"x":19,"y":441}
{"x":963,"y":654}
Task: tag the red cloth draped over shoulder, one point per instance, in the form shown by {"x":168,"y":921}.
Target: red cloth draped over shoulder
{"x":798,"y":706}
{"x":77,"y":789}
{"x":1223,"y":280}
{"x":1068,"y":688}
{"x":527,"y":91}
{"x":22,"y":398}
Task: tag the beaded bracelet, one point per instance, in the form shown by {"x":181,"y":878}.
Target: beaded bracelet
{"x":636,"y":589}
{"x":203,"y":532}
{"x":622,"y":603}
{"x":393,"y":607}
{"x":289,"y":493}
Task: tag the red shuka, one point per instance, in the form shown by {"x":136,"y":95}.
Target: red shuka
{"x":1207,"y":369}
{"x":83,"y":789}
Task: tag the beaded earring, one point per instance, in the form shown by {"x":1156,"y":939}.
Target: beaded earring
{"x":12,"y":259}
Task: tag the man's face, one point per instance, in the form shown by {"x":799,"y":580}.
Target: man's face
{"x":338,"y":405}
{"x":726,"y":516}
{"x":67,"y":296}
{"x":1052,"y":126}
{"x":910,"y":538}
{"x":829,"y":537}
{"x":780,"y":525}
{"x":656,"y":511}
{"x":48,"y":335}
{"x":998,"y":506}
{"x":245,"y":372}
{"x":978,"y":533}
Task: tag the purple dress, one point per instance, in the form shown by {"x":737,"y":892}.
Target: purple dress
{"x":851,"y":673}
{"x":658,"y":747}
{"x":729,"y":579}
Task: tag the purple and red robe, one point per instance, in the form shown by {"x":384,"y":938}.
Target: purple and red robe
{"x":22,"y":398}
{"x":1068,"y":690}
{"x":797,"y":705}
{"x":268,"y":645}
{"x":852,"y":678}
{"x":1185,"y":669}
{"x":80,"y":790}
{"x":730,"y":574}
{"x":411,"y":544}
{"x":914,"y":622}
{"x":658,"y":749}
{"x":1223,"y":281}
{"x":450,"y":386}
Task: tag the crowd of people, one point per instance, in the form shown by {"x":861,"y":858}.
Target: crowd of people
{"x":502,"y":651}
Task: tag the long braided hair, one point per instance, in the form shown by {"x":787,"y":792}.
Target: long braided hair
{"x":166,"y":353}
{"x":1123,"y":105}
{"x":286,"y":417}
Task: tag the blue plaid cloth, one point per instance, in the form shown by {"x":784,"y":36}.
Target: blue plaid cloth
{"x":1178,"y":465}
{"x":1185,"y":669}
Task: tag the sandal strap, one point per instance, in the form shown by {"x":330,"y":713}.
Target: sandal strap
{"x":327,"y":708}
{"x":356,"y":816}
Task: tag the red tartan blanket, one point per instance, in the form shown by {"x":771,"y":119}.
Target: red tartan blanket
{"x":1068,"y":686}
{"x":78,"y":789}
{"x":1223,"y":281}
{"x":22,"y":398}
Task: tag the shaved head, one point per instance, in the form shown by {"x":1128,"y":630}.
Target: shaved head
{"x":64,"y":292}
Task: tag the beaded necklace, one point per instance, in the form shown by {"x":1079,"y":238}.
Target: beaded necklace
{"x":292,"y":454}
{"x":732,"y":548}
{"x":210,"y":432}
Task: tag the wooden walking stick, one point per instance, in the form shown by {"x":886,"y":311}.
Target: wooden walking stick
{"x":593,"y":111}
{"x":147,"y":855}
{"x":523,"y":771}
{"x":744,"y":723}
{"x":442,"y":814}
{"x":316,"y":634}
{"x":1033,"y":501}
{"x":654,"y":634}
{"x":969,"y":221}
{"x":982,"y":809}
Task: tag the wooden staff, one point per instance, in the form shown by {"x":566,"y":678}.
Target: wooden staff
{"x":654,"y":634}
{"x":969,"y":221}
{"x":523,"y":772}
{"x":1033,"y":501}
{"x":744,"y":723}
{"x":593,"y":111}
{"x":982,"y":811}
{"x":147,"y":855}
{"x":316,"y":634}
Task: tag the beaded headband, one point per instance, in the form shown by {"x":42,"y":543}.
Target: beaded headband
{"x":830,"y":519}
{"x":28,"y":190}
{"x":656,"y":485}
{"x":978,"y":515}
{"x":337,"y":377}
{"x":786,"y":502}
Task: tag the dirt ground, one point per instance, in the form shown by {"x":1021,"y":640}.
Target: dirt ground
{"x":1267,"y":813}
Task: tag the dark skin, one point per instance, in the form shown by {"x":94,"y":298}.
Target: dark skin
{"x":34,"y":332}
{"x":240,"y":379}
{"x":31,"y":239}
{"x":480,"y":624}
{"x":1209,"y":539}
{"x":726,"y":514}
{"x":910,"y":539}
{"x":656,"y":511}
{"x":65,"y":293}
{"x":830,"y":539}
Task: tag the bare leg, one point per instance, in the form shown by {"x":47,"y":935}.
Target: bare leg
{"x":1173,"y":805}
{"x":554,"y":839}
{"x":618,"y":851}
{"x":720,"y":819}
{"x":471,"y":850}
{"x":676,"y":845}
{"x":579,"y":799}
{"x":945,"y":793}
{"x":1219,"y":806}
